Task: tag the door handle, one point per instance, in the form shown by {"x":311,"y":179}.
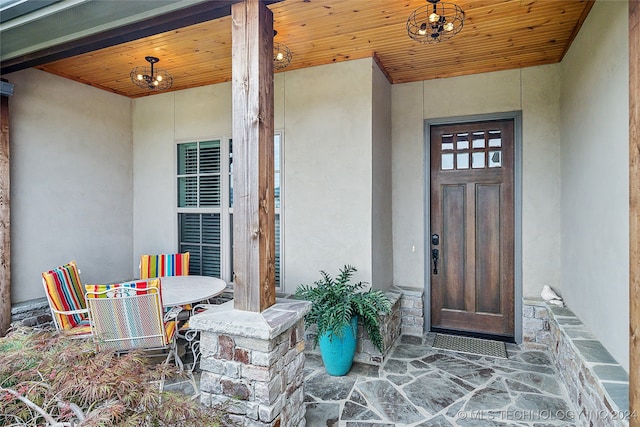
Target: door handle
{"x":435,"y":254}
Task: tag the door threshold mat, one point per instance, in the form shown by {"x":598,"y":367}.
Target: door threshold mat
{"x":471,"y":345}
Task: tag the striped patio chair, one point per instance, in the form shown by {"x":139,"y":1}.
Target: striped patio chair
{"x":128,"y":316}
{"x":64,"y":292}
{"x":164,"y":265}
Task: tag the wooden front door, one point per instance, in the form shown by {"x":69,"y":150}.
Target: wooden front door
{"x":472,"y":228}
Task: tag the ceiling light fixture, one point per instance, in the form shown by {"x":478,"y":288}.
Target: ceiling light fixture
{"x":435,"y":22}
{"x":148,"y":78}
{"x":281,"y":54}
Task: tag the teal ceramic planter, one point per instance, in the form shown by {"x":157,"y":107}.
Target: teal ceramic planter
{"x":338,"y":352}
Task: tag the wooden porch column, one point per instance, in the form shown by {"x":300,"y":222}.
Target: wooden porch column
{"x":5,"y":211}
{"x":253,"y":209}
{"x":634,"y":212}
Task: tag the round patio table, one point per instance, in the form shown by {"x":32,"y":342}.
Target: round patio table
{"x":182,"y":290}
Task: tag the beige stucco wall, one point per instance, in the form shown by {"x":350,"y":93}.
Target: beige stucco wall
{"x":327,"y":168}
{"x":531,"y":90}
{"x":71,"y":176}
{"x":154,"y":182}
{"x":407,"y":180}
{"x":595,"y":183}
{"x":381,"y":211}
{"x":159,"y":121}
{"x":541,"y":198}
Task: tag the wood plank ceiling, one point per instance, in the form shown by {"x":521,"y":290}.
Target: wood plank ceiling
{"x":497,"y":35}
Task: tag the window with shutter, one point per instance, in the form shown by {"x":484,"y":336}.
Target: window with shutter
{"x":205,"y":205}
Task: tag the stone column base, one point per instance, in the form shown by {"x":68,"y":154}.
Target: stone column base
{"x":252,"y":363}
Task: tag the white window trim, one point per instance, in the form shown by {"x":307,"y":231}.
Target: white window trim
{"x":280,"y":211}
{"x":226,"y":269}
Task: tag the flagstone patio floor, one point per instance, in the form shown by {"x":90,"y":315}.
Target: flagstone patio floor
{"x":421,"y":386}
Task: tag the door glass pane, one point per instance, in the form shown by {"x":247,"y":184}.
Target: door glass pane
{"x":447,"y":142}
{"x":447,"y":161}
{"x":495,"y":138}
{"x":462,"y":139}
{"x":495,"y":159}
{"x":478,"y":140}
{"x":463,"y":160}
{"x":478,"y":160}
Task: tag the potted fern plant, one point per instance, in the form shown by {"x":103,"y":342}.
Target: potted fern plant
{"x":336,"y":305}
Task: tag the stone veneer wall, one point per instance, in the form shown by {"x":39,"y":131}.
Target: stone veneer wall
{"x":366,"y":352}
{"x":598,"y":386}
{"x":406,"y":318}
{"x":32,"y":313}
{"x":253,"y":363}
{"x":412,"y":309}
